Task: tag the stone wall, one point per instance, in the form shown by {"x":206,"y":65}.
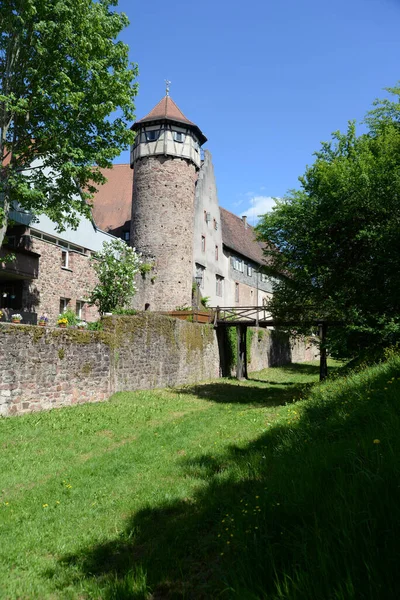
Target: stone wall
{"x":42,"y":368}
{"x":271,"y":349}
{"x":45,"y":368}
{"x":162,"y":229}
{"x":43,"y":295}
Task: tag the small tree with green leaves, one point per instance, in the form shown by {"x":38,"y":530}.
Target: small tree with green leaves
{"x":116,"y":266}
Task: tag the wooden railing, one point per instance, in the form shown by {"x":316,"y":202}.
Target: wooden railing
{"x":241,"y":315}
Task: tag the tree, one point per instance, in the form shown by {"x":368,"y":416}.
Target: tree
{"x":116,"y":266}
{"x":335,"y":242}
{"x":63,"y":75}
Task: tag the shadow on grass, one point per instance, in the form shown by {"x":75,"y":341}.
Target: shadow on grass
{"x":231,"y":392}
{"x":307,"y":511}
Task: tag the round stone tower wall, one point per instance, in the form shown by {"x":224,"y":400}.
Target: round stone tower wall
{"x":162,"y":229}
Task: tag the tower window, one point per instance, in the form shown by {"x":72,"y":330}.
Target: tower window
{"x":216,"y":252}
{"x":152,"y":135}
{"x":179,"y":137}
{"x":203,"y":243}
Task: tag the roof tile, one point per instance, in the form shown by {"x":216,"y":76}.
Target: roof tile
{"x":241,"y":237}
{"x":166,"y":109}
{"x":112,"y":203}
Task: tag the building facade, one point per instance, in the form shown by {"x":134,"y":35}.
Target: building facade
{"x":51,"y":271}
{"x":197,"y":249}
{"x":165,"y":204}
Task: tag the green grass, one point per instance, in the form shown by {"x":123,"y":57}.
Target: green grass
{"x":222,"y":490}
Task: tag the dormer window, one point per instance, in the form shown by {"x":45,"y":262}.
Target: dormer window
{"x":152,"y":135}
{"x":179,"y":137}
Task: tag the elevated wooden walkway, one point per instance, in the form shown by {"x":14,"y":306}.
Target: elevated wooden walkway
{"x":242,"y":317}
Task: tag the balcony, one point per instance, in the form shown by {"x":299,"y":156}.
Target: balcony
{"x":25,"y":264}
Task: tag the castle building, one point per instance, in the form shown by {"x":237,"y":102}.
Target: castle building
{"x":165,"y":204}
{"x":176,"y":221}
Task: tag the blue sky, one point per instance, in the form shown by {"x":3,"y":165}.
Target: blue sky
{"x":266,"y":81}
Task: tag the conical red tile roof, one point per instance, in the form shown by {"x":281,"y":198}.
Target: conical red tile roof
{"x":166,"y":109}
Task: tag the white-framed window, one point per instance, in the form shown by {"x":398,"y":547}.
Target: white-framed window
{"x":79,"y":310}
{"x":152,"y":135}
{"x":249,"y":270}
{"x":63,"y":305}
{"x":179,"y":137}
{"x":65,"y":259}
{"x":219,"y":283}
{"x":237,"y":264}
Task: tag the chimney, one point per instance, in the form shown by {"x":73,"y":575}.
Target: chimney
{"x":244,"y":219}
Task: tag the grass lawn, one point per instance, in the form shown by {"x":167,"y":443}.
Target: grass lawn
{"x":222,"y":490}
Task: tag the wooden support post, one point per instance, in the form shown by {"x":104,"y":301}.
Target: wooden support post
{"x":241,"y":367}
{"x":323,"y":365}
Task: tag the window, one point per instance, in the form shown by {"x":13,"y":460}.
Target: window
{"x":203,"y":243}
{"x":179,"y":137}
{"x":264,"y":278}
{"x":249,"y":270}
{"x":205,"y":216}
{"x":65,"y":259}
{"x":216,"y":252}
{"x":126,"y":236}
{"x":236,"y":292}
{"x":79,"y":311}
{"x":200,"y":274}
{"x":63,"y":305}
{"x":237,"y":264}
{"x":215,"y":224}
{"x":219,"y":285}
{"x":152,"y":135}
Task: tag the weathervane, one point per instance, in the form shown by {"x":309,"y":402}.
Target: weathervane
{"x":167,"y":83}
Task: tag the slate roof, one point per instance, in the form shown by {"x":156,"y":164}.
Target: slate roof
{"x":112,"y":204}
{"x":239,"y":238}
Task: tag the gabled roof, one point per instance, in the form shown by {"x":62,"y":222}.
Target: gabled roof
{"x":241,"y":237}
{"x":166,"y":109}
{"x":112,"y":203}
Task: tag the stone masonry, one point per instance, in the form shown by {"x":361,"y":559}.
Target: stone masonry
{"x":42,"y":295}
{"x":42,"y":368}
{"x":162,"y":227}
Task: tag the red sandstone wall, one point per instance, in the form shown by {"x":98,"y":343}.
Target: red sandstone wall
{"x":43,"y":294}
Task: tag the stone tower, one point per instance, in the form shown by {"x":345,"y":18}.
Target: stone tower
{"x":166,"y":158}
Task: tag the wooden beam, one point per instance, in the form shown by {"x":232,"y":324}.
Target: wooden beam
{"x":323,"y":365}
{"x":241,"y":366}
